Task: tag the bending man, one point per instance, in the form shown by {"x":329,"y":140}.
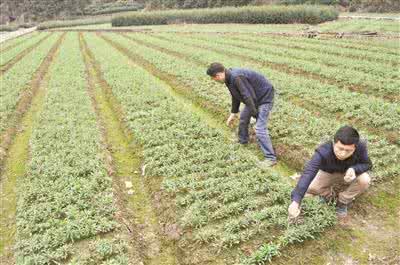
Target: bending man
{"x":257,"y":93}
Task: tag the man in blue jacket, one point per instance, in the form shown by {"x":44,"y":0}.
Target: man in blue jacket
{"x":343,"y":161}
{"x":257,"y":93}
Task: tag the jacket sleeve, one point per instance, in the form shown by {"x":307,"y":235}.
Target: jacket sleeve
{"x":307,"y":177}
{"x":243,"y":85}
{"x":364,"y":163}
{"x":235,"y":105}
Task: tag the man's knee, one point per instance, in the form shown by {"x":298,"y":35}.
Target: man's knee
{"x":260,"y":130}
{"x":322,"y":191}
{"x":321,"y":185}
{"x":317,"y":188}
{"x":364,"y":180}
{"x":314,"y":190}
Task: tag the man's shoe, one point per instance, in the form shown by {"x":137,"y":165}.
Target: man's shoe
{"x":341,"y":209}
{"x":266,"y":163}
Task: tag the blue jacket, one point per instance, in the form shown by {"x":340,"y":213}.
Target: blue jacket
{"x":324,"y":159}
{"x":249,"y":87}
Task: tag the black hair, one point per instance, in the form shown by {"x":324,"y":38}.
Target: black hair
{"x":215,"y":68}
{"x":347,"y":135}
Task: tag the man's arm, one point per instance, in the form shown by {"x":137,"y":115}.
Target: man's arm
{"x":235,"y":105}
{"x":308,"y":175}
{"x":234,"y":110}
{"x":365,"y":163}
{"x":244,"y":89}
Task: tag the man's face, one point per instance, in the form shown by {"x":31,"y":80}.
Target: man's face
{"x":219,"y":77}
{"x":342,"y":151}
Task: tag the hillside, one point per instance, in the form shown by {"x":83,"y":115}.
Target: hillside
{"x":39,"y":10}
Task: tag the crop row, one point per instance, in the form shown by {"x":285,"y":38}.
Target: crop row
{"x":18,"y":78}
{"x":279,"y":46}
{"x":13,"y":43}
{"x":367,"y":83}
{"x":322,"y":46}
{"x":370,"y":46}
{"x":11,"y":54}
{"x":66,"y":195}
{"x":222,"y":28}
{"x":221,"y":197}
{"x":298,"y":130}
{"x":380,"y":46}
{"x":364,"y":110}
{"x":91,"y":21}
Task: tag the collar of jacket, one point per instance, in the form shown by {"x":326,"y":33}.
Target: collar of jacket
{"x":228,"y":76}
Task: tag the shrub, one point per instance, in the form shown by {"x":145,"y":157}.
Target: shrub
{"x":73,"y":23}
{"x":28,"y":25}
{"x":379,"y":6}
{"x":250,"y":15}
{"x":8,"y":27}
{"x":109,"y":8}
{"x":311,"y":2}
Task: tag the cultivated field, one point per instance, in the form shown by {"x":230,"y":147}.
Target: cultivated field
{"x":382,"y":27}
{"x":114,"y":149}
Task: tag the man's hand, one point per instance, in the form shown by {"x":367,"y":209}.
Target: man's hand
{"x":294,"y":210}
{"x":350,"y":175}
{"x":231,"y":119}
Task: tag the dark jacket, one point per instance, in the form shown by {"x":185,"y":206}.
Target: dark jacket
{"x":249,"y":87}
{"x":324,"y":159}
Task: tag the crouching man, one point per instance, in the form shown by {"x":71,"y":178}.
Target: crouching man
{"x":343,"y":161}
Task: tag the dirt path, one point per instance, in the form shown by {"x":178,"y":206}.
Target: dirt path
{"x":11,"y":35}
{"x":369,"y":17}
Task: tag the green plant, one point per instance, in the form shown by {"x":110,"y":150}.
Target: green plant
{"x":73,"y":23}
{"x":11,"y":27}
